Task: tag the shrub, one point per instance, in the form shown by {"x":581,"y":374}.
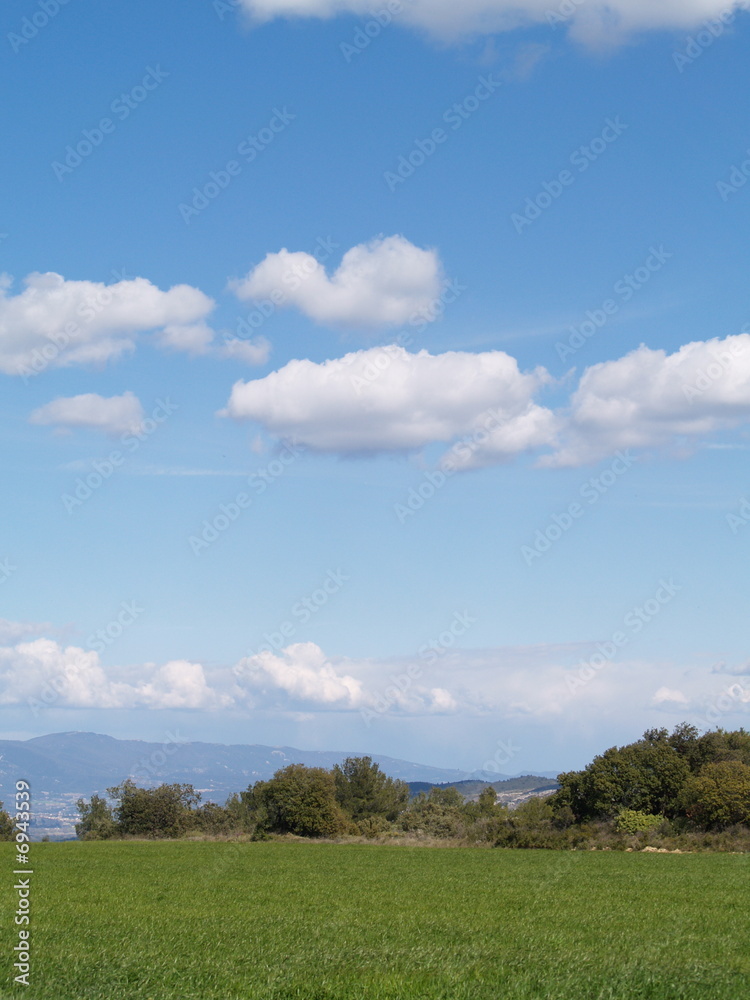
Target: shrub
{"x":633,"y":821}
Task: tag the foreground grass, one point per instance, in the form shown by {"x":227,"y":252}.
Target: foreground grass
{"x":222,"y":921}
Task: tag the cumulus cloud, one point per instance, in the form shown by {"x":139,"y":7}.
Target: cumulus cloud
{"x":388,"y":400}
{"x":43,"y":672}
{"x":385,"y":400}
{"x":383,"y":283}
{"x":113,"y":415}
{"x":179,"y":684}
{"x":302,"y":672}
{"x":54,"y":322}
{"x":524,"y":685}
{"x":301,"y":675}
{"x":594,"y":21}
{"x":651,"y":399}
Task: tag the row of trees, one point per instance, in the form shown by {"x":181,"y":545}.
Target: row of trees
{"x":665,"y":785}
{"x":702,"y":778}
{"x":355,"y":797}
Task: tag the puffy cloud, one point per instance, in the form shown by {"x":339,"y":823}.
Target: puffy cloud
{"x":302,"y":672}
{"x":58,"y":323}
{"x":113,"y":415}
{"x":387,"y":400}
{"x":379,"y":284}
{"x":592,"y":21}
{"x":653,"y":399}
{"x":301,"y":675}
{"x":43,"y":673}
{"x":179,"y":684}
{"x":524,"y":685}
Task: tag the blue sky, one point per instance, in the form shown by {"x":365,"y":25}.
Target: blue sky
{"x":314,"y":414}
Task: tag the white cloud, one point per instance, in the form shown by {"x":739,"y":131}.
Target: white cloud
{"x":667,"y":695}
{"x":379,"y":284}
{"x":113,"y":415}
{"x":58,"y":323}
{"x":43,"y":673}
{"x":593,"y":21}
{"x":302,"y":672}
{"x":249,"y":352}
{"x":302,"y":675}
{"x":179,"y":684}
{"x":524,"y":685}
{"x":387,"y":400}
{"x":651,"y":399}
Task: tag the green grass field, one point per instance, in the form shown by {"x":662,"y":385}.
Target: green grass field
{"x":273,"y":921}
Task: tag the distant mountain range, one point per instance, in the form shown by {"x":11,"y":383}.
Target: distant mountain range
{"x":65,"y":766}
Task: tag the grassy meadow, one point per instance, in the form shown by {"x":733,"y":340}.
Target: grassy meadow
{"x":276,"y":921}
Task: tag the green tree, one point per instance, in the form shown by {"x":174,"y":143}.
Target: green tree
{"x":440,"y":814}
{"x":214,"y":819}
{"x":646,"y":776}
{"x":96,"y":819}
{"x":299,"y":800}
{"x":7,"y":826}
{"x":364,"y":791}
{"x":449,"y":798}
{"x":720,"y":795}
{"x":722,"y":745}
{"x":487,"y":801}
{"x":166,"y":811}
